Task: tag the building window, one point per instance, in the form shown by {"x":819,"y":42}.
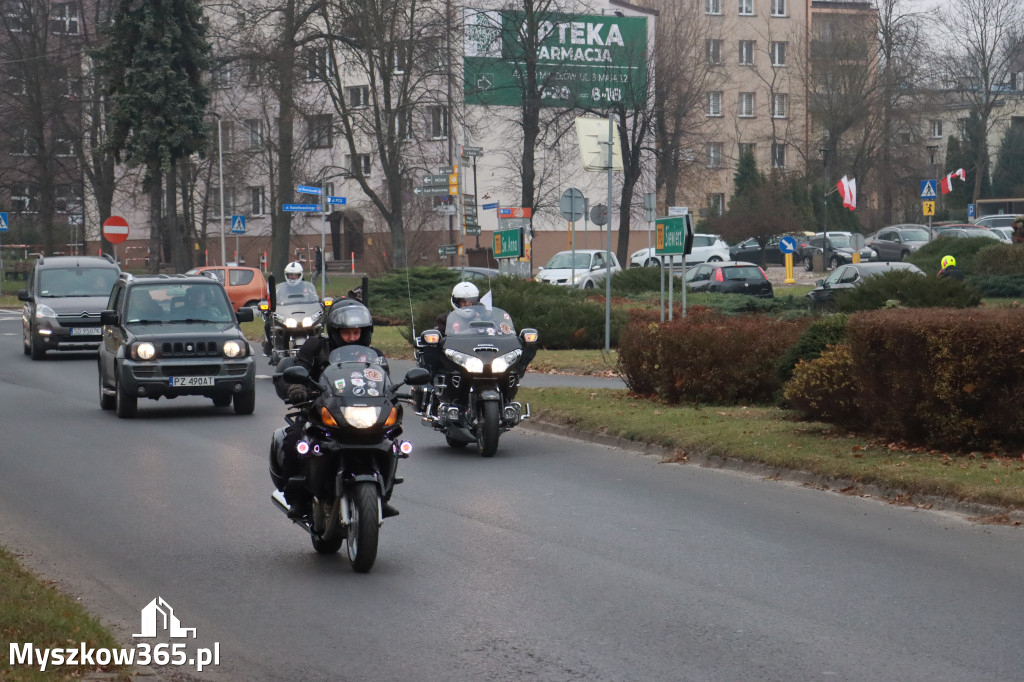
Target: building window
{"x":747,"y":148}
{"x":64,"y":145}
{"x":778,"y":51}
{"x":403,"y":51}
{"x":257,"y":202}
{"x":66,"y":199}
{"x":713,"y":48}
{"x":780,"y":103}
{"x":252,"y":72}
{"x":778,"y":155}
{"x":716,"y":204}
{"x":317,"y":63}
{"x":936,"y":127}
{"x":778,"y":8}
{"x":24,"y":198}
{"x":359,"y":163}
{"x":747,"y":52}
{"x":403,"y":124}
{"x":438,"y":122}
{"x":227,"y":134}
{"x":746,"y":7}
{"x":714,"y":154}
{"x":255,"y":127}
{"x":746,"y":104}
{"x":214,"y":199}
{"x":16,"y":85}
{"x":712,"y":6}
{"x":23,"y":144}
{"x":221,"y":76}
{"x":358,"y":96}
{"x":714,"y":107}
{"x":64,"y":18}
{"x":319,"y":131}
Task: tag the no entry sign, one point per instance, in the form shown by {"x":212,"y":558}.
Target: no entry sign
{"x":115,"y":229}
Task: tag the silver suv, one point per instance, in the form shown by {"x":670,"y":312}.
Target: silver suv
{"x":707,"y":248}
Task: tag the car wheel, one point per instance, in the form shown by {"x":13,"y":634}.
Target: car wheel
{"x":36,"y":348}
{"x":107,"y":402}
{"x":808,"y":264}
{"x":126,"y":404}
{"x":651,"y":263}
{"x":834,"y":262}
{"x":589,"y":284}
{"x":245,"y":402}
{"x":714,"y":259}
{"x":25,"y":346}
{"x":905,"y":255}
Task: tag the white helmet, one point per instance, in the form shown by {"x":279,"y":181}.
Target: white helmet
{"x":293,"y":272}
{"x":465,"y":293}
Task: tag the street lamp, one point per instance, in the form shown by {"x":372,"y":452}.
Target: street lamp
{"x":220,"y":164}
{"x":825,"y":152}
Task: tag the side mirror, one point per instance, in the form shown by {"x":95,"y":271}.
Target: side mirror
{"x":108,"y":317}
{"x":529,"y":336}
{"x":23,"y":295}
{"x":820,"y":283}
{"x":295,"y":375}
{"x":328,"y":302}
{"x":431,"y":337}
{"x":244,"y":314}
{"x":417,"y":376}
{"x":272,"y":293}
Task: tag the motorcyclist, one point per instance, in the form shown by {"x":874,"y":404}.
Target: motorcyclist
{"x":949,"y":268}
{"x":293,"y":285}
{"x":464,"y":294}
{"x":348,"y":323}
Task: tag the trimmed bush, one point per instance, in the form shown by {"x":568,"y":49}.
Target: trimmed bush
{"x":1000,"y":286}
{"x":904,"y":289}
{"x":823,"y":388}
{"x":829,"y":330}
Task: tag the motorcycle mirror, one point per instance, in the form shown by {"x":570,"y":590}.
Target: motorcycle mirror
{"x":272,"y":292}
{"x":417,"y":376}
{"x":328,"y":302}
{"x":295,"y":375}
{"x":529,"y":335}
{"x":431,"y":336}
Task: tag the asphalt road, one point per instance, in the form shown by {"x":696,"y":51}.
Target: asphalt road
{"x":556,"y":560}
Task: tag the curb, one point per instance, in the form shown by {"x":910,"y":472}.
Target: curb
{"x":975,"y":512}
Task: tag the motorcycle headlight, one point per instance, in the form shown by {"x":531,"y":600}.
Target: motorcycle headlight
{"x":291,"y":323}
{"x":44,"y":311}
{"x":470,"y":363}
{"x":143,"y":351}
{"x":308,"y":321}
{"x":233,"y":349}
{"x":361,"y":417}
{"x":505,"y":361}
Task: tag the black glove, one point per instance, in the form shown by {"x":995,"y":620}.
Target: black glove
{"x":297,"y":393}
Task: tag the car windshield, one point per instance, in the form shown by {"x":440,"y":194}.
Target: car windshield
{"x":175,"y":303}
{"x":65,"y":282}
{"x":742,"y":272}
{"x":477,"y":320}
{"x":998,"y":221}
{"x":303,"y":292}
{"x":839,"y":241}
{"x":565,"y":260}
{"x":915,"y":234}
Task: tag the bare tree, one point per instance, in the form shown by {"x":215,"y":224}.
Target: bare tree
{"x":984,"y":42}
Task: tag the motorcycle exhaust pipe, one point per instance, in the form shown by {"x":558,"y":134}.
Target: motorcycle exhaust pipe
{"x":278,"y":498}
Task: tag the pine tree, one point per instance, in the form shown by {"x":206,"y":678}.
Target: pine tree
{"x":1008,"y":179}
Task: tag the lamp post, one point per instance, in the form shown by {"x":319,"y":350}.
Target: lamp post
{"x":932,"y":148}
{"x":220,"y":165}
{"x":825,"y":151}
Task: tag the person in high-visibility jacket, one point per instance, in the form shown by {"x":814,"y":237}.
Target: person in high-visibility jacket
{"x":949,"y":268}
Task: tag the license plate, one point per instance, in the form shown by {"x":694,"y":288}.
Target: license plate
{"x":84,"y":331}
{"x":188,"y":382}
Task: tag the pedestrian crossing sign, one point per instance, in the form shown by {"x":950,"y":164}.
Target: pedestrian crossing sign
{"x":238,"y":224}
{"x":927,"y":189}
{"x":3,"y":222}
{"x":928,"y":207}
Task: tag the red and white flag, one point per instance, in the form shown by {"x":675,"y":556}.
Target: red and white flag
{"x":946,"y":185}
{"x":848,"y":190}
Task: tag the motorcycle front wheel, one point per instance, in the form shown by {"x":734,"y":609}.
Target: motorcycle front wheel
{"x":487,"y":429}
{"x":363,"y":532}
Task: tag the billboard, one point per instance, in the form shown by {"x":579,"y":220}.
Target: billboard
{"x":588,"y":61}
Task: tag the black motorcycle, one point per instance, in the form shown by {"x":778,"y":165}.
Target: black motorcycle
{"x":348,"y":446}
{"x":477,"y":365}
{"x":293,"y":314}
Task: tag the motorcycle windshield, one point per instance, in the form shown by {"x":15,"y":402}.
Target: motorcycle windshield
{"x":355,"y":371}
{"x":290,"y":294}
{"x":476,"y":320}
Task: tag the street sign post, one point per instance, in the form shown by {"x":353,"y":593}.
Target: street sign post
{"x":431,"y":190}
{"x":571,"y":204}
{"x":970,"y":211}
{"x":238,"y":224}
{"x":336,"y":200}
{"x":4,"y":224}
{"x":446,"y":250}
{"x":309,"y":189}
{"x":787,"y":245}
{"x":472,"y":151}
{"x":508,"y":243}
{"x":300,"y":207}
{"x":439,"y":179}
{"x":927,"y":189}
{"x":115,"y":229}
{"x":928,"y":208}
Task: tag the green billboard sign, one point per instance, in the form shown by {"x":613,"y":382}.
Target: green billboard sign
{"x":670,"y":235}
{"x":508,"y":243}
{"x":588,"y":61}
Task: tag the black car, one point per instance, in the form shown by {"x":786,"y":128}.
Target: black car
{"x":63,"y":302}
{"x":750,"y":251}
{"x":729,"y":278}
{"x":841,"y":247}
{"x":166,"y":336}
{"x":847,"y":277}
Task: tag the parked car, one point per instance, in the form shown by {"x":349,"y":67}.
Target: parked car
{"x":706,"y":248}
{"x":173,"y":335}
{"x":1005,"y":234}
{"x":750,"y":250}
{"x":967,"y":232}
{"x":1000,"y":220}
{"x":585,"y":272}
{"x":475,"y":274}
{"x":936,"y":230}
{"x":63,"y":302}
{"x":246,"y":287}
{"x":847,"y":277}
{"x":729,"y":278}
{"x":897,"y":242}
{"x":840,"y":250}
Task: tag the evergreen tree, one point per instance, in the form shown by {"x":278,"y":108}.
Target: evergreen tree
{"x":746,"y":180}
{"x":1008,"y":179}
{"x":154,"y":60}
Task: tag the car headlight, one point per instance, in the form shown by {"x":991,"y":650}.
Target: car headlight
{"x":361,"y":417}
{"x":505,"y":361}
{"x":44,"y":311}
{"x":577,"y":277}
{"x":143,"y":351}
{"x":470,"y":363}
{"x":233,"y":349}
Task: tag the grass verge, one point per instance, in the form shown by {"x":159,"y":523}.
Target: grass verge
{"x":775,"y":438}
{"x":36,"y":612}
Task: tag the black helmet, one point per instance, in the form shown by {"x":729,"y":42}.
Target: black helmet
{"x":349,"y":314}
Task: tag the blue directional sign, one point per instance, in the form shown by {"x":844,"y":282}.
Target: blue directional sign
{"x":488,"y":207}
{"x":238,"y":224}
{"x":787,"y":245}
{"x":927,"y":189}
{"x":300,"y":207}
{"x":3,"y":222}
{"x":335,"y":200}
{"x":308,"y":189}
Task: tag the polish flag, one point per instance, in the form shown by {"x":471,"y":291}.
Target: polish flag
{"x":848,"y":190}
{"x":946,"y":185}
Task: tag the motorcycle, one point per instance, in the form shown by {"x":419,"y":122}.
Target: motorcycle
{"x":293,"y":314}
{"x":348,"y":446}
{"x":477,"y":365}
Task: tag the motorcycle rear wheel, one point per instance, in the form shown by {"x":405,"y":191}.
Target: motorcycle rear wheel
{"x":487,"y":429}
{"x":364,"y":531}
{"x":329,"y":541}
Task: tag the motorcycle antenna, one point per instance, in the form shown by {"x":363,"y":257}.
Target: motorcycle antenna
{"x":408,"y":290}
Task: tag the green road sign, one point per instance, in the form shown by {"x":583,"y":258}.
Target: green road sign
{"x":671,"y":235}
{"x":592,"y":61}
{"x":508,"y":243}
{"x":439,"y":190}
{"x":448,"y":250}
